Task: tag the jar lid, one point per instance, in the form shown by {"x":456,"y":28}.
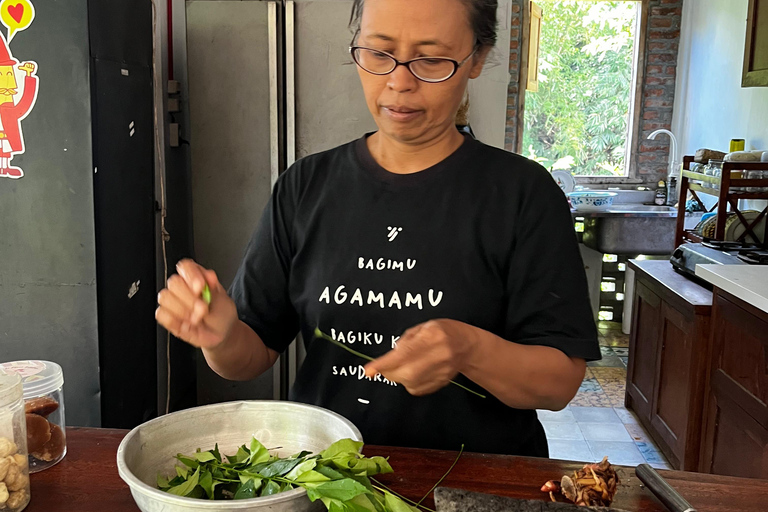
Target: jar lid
{"x":38,"y":377}
{"x":10,"y":388}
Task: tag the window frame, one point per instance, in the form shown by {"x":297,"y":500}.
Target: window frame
{"x":634,"y":127}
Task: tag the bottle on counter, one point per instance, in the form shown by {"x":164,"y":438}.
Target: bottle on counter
{"x":661,"y":194}
{"x":672,"y":191}
{"x":14,"y":473}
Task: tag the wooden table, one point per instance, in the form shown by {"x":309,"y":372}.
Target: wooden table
{"x":87,"y":480}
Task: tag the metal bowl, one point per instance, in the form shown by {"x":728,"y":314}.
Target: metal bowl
{"x":150,"y":449}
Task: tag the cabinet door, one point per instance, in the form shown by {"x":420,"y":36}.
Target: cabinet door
{"x":643,"y":345}
{"x":676,"y":407}
{"x":736,"y":425}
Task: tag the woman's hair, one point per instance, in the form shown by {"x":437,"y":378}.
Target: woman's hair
{"x":482,"y":19}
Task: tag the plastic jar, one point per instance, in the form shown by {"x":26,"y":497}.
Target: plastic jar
{"x":43,"y":383}
{"x":14,"y":475}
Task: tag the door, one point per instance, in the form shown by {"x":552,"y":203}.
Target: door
{"x":736,"y":425}
{"x":643,"y":346}
{"x":124,"y":197}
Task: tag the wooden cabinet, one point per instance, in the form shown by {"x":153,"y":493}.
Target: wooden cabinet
{"x":736,"y":415}
{"x":666,"y":371}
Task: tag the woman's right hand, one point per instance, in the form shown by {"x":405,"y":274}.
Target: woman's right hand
{"x":186,"y":315}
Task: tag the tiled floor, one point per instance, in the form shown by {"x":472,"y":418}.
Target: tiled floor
{"x":596,"y":423}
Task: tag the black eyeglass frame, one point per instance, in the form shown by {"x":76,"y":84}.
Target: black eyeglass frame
{"x":407,"y":63}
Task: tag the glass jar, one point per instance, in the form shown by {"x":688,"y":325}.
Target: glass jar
{"x":14,"y":474}
{"x":715,"y":169}
{"x":43,"y":383}
{"x":756,"y":175}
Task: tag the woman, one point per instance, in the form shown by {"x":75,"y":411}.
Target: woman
{"x":465,"y":251}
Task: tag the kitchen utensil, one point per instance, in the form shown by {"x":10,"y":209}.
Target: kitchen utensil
{"x":457,"y":500}
{"x":564,"y":180}
{"x":591,"y":200}
{"x":150,"y":448}
{"x":735,"y":228}
{"x":665,"y":492}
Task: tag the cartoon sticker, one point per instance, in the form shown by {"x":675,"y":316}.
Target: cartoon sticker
{"x":18,"y":86}
{"x":16,"y":15}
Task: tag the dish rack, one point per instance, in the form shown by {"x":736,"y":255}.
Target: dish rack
{"x":729,"y":191}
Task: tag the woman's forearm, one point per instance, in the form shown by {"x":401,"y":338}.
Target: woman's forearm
{"x":523,"y":376}
{"x":241,"y":356}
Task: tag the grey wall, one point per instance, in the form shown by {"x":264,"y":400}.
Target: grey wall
{"x":227,"y":58}
{"x":47,"y":266}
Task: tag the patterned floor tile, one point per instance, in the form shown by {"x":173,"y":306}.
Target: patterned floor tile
{"x":651,"y":454}
{"x":590,"y":385}
{"x":621,"y":351}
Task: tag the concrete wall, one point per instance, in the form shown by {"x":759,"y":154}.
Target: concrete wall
{"x":711,"y":106}
{"x":47,"y":269}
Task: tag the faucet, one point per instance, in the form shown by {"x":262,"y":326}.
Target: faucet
{"x":673,"y":161}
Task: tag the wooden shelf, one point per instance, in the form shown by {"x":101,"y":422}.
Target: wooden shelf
{"x":728,"y":199}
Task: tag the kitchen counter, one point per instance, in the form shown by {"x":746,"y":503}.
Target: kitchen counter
{"x":87,"y":480}
{"x":746,"y":282}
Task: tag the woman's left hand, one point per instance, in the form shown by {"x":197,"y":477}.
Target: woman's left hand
{"x":427,"y":357}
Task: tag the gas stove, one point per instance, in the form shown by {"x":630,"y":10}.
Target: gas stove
{"x":687,"y":256}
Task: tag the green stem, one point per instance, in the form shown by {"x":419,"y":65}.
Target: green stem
{"x":321,"y":334}
{"x":444,"y":476}
{"x":383,"y":488}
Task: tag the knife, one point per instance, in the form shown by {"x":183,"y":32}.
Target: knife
{"x":665,"y":492}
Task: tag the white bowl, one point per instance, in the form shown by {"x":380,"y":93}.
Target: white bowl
{"x":591,"y":201}
{"x":151,"y":447}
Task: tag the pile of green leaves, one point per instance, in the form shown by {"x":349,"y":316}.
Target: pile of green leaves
{"x":338,"y":476}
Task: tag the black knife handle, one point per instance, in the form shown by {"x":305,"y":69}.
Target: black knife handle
{"x":665,"y":492}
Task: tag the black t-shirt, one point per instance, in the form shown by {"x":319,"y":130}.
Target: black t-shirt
{"x":484,"y":237}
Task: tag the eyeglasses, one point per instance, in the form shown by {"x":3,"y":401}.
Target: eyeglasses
{"x":426,"y":69}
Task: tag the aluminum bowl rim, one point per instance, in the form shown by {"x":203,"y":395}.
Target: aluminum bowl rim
{"x":136,"y":485}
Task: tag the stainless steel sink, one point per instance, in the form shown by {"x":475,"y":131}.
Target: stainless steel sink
{"x":630,"y":229}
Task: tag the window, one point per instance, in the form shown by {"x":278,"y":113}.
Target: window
{"x":580,"y":118}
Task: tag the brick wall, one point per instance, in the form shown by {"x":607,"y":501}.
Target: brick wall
{"x":657,"y":92}
{"x":513,"y":92}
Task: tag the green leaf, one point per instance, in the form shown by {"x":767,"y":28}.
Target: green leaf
{"x":207,"y":484}
{"x":312,"y":476}
{"x":246,"y":491}
{"x":395,"y":504}
{"x":371,"y":466}
{"x":343,"y":446}
{"x":205,"y":457}
{"x":259,"y":453}
{"x":343,"y":490}
{"x":279,"y":468}
{"x":271,"y":488}
{"x":256,"y":479}
{"x":191,"y":463}
{"x":188,"y":486}
{"x":182,"y":471}
{"x":242,"y":455}
{"x":216,"y":453}
{"x":162,"y":482}
{"x":329,"y":472}
{"x":300,"y":469}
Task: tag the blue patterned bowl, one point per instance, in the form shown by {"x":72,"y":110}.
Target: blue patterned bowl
{"x":591,"y":201}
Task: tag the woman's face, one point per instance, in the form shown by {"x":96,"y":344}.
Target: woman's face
{"x":405,"y":108}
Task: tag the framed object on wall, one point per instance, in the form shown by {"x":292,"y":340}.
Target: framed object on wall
{"x":756,"y":49}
